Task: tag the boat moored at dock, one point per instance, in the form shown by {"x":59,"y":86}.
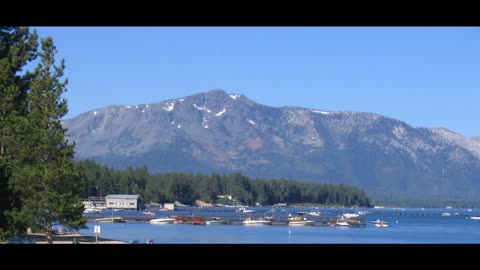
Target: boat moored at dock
{"x":215,"y":221}
{"x":256,"y":222}
{"x":148,"y":214}
{"x":164,"y":220}
{"x":299,"y":221}
{"x":245,"y":210}
{"x":380,"y":223}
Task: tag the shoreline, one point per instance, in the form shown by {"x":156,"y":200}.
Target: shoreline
{"x":76,"y":238}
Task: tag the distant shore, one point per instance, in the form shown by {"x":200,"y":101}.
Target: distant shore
{"x":41,"y":238}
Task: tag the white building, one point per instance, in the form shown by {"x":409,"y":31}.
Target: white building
{"x":122,"y":201}
{"x":169,"y":206}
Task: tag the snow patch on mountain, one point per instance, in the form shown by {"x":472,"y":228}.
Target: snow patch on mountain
{"x":169,"y":106}
{"x":221,"y":112}
{"x":234,"y":96}
{"x":321,"y":112}
{"x":201,"y":108}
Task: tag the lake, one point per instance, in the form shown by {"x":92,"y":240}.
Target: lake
{"x":410,"y":225}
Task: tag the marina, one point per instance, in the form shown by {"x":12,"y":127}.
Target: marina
{"x":278,"y":217}
{"x":414,"y":225}
{"x":233,"y":218}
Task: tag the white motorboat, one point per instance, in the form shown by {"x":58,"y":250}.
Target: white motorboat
{"x":215,"y":221}
{"x":342,"y":223}
{"x":350,"y":215}
{"x":299,"y":221}
{"x":91,"y":211}
{"x":256,"y":222}
{"x":475,"y":218}
{"x":378,"y":221}
{"x":245,"y":210}
{"x":164,"y":220}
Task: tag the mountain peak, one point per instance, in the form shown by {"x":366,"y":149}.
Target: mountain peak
{"x":220,"y":93}
{"x":217,"y":131}
{"x":216,"y":92}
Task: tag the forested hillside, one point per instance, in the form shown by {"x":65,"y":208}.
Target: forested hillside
{"x":186,"y":188}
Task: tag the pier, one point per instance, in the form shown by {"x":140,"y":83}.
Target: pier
{"x":233,"y":218}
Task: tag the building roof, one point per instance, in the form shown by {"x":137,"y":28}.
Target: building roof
{"x":122,"y":196}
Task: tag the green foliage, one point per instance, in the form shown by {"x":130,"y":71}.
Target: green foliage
{"x":41,"y":174}
{"x":17,"y":47}
{"x":187,"y":188}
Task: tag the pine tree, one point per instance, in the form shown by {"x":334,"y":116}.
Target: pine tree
{"x":17,"y":47}
{"x":47,"y":181}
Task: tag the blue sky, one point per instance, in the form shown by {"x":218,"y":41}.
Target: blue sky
{"x":425,"y":76}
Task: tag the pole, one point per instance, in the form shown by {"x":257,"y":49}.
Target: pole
{"x":97,"y":231}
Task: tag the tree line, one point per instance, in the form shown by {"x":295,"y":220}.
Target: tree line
{"x":186,"y":188}
{"x":39,"y":182}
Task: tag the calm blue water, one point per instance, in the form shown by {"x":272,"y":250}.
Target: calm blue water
{"x":406,"y":226}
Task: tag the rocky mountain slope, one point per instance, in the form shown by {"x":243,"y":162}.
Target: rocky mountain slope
{"x":216,"y":131}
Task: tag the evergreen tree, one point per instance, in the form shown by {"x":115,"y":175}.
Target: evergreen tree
{"x":47,"y":181}
{"x":17,"y":47}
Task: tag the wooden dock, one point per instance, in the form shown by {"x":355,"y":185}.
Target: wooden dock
{"x":230,"y":218}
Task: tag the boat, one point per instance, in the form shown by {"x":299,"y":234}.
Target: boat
{"x":299,"y":221}
{"x":197,"y":222}
{"x":269,"y":216}
{"x":342,"y":223}
{"x":148,"y":214}
{"x":163,"y":220}
{"x":91,"y":211}
{"x":316,"y":213}
{"x":350,"y":215}
{"x":475,"y":218}
{"x":245,"y":210}
{"x":381,"y":224}
{"x":256,"y":222}
{"x":215,"y":221}
{"x":378,"y":221}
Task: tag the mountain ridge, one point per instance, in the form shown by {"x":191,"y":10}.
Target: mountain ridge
{"x":215,"y":131}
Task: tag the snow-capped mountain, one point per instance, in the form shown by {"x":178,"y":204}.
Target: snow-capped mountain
{"x":216,"y":131}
